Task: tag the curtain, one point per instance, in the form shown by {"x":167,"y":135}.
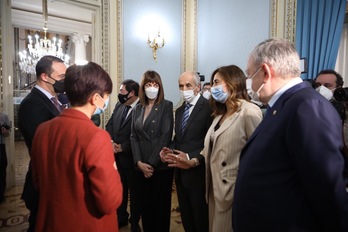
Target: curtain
{"x":319,"y":26}
{"x":342,"y":57}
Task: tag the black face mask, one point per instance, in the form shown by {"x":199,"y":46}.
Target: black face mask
{"x":58,"y":86}
{"x":123,"y":98}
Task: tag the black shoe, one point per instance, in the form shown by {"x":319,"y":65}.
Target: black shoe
{"x":122,"y":224}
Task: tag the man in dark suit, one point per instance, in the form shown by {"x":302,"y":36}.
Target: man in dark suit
{"x":188,"y":143}
{"x":38,"y":107}
{"x":290,"y":175}
{"x":119,"y":128}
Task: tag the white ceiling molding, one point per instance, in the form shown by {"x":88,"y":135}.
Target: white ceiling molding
{"x":23,"y":19}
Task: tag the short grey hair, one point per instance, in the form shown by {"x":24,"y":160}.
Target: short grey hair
{"x":195,"y":76}
{"x":280,"y":54}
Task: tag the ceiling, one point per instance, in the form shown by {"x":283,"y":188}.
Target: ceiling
{"x":28,"y":14}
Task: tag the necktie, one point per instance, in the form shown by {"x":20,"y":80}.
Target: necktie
{"x":185,"y":117}
{"x":124,"y":114}
{"x":56,"y":103}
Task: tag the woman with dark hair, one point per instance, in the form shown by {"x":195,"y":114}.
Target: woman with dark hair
{"x":73,"y":160}
{"x":152,"y":129}
{"x":235,"y":119}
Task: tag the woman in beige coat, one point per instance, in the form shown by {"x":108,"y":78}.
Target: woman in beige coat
{"x":235,"y":119}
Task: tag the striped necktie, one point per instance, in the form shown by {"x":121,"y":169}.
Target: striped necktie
{"x":185,"y":117}
{"x":56,"y":103}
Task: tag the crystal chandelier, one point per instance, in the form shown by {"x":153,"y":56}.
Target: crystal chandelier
{"x":40,"y":47}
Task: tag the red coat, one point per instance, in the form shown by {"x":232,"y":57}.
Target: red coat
{"x":72,"y":163}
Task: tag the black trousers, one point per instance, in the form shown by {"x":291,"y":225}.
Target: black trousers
{"x":128,"y":183}
{"x":31,"y":199}
{"x":155,"y":198}
{"x":193,"y":208}
{"x":3,"y":166}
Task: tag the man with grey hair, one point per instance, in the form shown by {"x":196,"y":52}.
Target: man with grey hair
{"x":290,"y":175}
{"x":192,"y":121}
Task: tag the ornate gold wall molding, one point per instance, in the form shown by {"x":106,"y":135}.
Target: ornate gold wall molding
{"x":283,"y":19}
{"x":105,"y":51}
{"x":189,"y":47}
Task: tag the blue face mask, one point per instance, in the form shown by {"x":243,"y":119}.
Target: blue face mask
{"x":101,"y":110}
{"x":218,"y":94}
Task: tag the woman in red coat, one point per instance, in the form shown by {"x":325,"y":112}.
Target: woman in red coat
{"x":73,"y":161}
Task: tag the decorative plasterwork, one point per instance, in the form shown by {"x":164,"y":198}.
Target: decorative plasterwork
{"x":290,"y":20}
{"x":189,"y":39}
{"x":274,"y":7}
{"x":105,"y":50}
{"x":283,"y":19}
{"x":189,"y":44}
{"x":119,"y":43}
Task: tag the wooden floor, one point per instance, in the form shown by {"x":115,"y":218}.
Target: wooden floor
{"x":14,"y":215}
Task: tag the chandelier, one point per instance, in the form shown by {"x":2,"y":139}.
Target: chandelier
{"x":40,"y":47}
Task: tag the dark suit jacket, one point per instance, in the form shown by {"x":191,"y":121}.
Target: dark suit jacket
{"x":192,"y":142}
{"x":149,"y":137}
{"x":35,"y":109}
{"x":120,"y":134}
{"x":291,"y":170}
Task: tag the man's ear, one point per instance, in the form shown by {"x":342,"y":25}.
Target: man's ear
{"x":44,"y":77}
{"x":267,"y":72}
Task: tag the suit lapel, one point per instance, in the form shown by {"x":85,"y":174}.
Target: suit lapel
{"x":118,"y":116}
{"x":47,"y":101}
{"x":145,"y":125}
{"x":129,"y":115}
{"x":153,"y":113}
{"x":228,"y":122}
{"x":178,"y":118}
{"x":196,"y":109}
{"x":277,"y":108}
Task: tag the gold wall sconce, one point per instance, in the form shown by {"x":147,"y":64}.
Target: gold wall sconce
{"x":156,"y":43}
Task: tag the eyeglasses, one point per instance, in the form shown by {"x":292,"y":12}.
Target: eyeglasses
{"x":254,"y":74}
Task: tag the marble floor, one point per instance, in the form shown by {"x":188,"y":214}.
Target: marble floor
{"x":14,"y":215}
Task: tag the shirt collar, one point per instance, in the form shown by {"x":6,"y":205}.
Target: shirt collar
{"x":291,"y":83}
{"x":134,"y":103}
{"x":44,"y":92}
{"x":194,"y":101}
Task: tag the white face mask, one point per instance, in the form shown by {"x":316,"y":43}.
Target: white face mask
{"x":251,"y":92}
{"x":206,"y":94}
{"x":187,"y":95}
{"x":327,"y":93}
{"x":255,"y":95}
{"x":151,"y":92}
{"x":248,"y":87}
